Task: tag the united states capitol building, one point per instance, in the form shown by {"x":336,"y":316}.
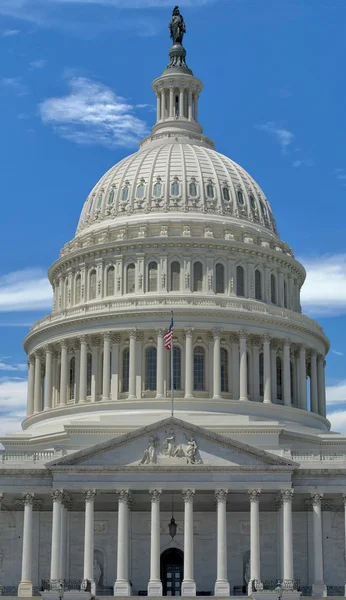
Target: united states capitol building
{"x":104,"y":491}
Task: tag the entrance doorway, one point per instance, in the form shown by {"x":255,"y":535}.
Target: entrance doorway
{"x":172,"y":571}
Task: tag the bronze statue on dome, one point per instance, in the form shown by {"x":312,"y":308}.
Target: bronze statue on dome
{"x":177,"y":26}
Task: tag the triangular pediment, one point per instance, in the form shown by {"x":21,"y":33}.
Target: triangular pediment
{"x":171,"y":443}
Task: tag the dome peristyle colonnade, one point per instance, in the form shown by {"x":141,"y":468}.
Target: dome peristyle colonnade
{"x":214,"y":364}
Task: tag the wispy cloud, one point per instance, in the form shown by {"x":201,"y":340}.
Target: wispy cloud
{"x":283,"y":136}
{"x":337,"y":353}
{"x":25,"y":291}
{"x":14,"y":85}
{"x":12,"y":404}
{"x":304,"y":162}
{"x":38,"y":64}
{"x":10,"y":32}
{"x":324,"y":292}
{"x":336,"y":394}
{"x":11,"y":367}
{"x":91,"y":113}
{"x":340,"y":175}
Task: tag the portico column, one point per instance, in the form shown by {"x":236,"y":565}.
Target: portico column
{"x":302,"y":377}
{"x":313,"y":384}
{"x":243,"y":367}
{"x":132,"y":366}
{"x":38,"y":384}
{"x":163,"y":104}
{"x":181,"y":103}
{"x":31,"y":386}
{"x":319,"y":588}
{"x":122,"y":585}
{"x":267,"y":397}
{"x":160,"y":363}
{"x":58,"y":496}
{"x":106,"y":383}
{"x":171,"y":102}
{"x":190,"y":105}
{"x":222,"y":585}
{"x":94,"y":368}
{"x":66,"y":503}
{"x":287,"y":373}
{"x":217,"y":364}
{"x":25,"y":587}
{"x":288,"y":577}
{"x":49,"y":379}
{"x":188,"y":587}
{"x":63,"y":373}
{"x":155,"y":585}
{"x":320,"y":384}
{"x":255,"y":369}
{"x":88,"y":573}
{"x":83,"y":368}
{"x":188,"y":363}
{"x":255,"y":559}
{"x":235,"y":366}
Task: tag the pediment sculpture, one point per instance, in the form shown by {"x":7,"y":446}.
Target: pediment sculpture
{"x":158,"y":451}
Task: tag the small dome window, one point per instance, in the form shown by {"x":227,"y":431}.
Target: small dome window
{"x":125,"y":194}
{"x":175,"y":188}
{"x":262,"y":208}
{"x":193,"y":189}
{"x":225,"y":193}
{"x":252,"y":202}
{"x":240,"y":197}
{"x":210,"y":190}
{"x":99,"y":200}
{"x":111,"y":197}
{"x":140,"y":191}
{"x":157,"y":190}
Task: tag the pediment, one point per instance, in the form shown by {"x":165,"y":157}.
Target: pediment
{"x":171,"y":443}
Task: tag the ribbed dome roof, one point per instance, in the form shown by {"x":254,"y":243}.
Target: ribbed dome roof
{"x":176,"y":176}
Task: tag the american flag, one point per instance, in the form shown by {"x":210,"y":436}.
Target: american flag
{"x":168,"y":336}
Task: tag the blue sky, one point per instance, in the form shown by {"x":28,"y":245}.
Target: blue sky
{"x":75,"y":98}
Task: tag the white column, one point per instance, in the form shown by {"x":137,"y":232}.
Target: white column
{"x":319,"y":588}
{"x":38,"y":384}
{"x":155,"y":585}
{"x":235,"y":366}
{"x":188,"y":587}
{"x":94,"y":368}
{"x":255,"y":370}
{"x":171,"y":102}
{"x":190,"y":105}
{"x":181,"y":103}
{"x":83,"y":368}
{"x":222,"y":587}
{"x":273,"y":355}
{"x":320,"y":385}
{"x":115,"y":366}
{"x":163,"y":104}
{"x":267,"y":398}
{"x":106,"y":376}
{"x":279,"y":538}
{"x":122,"y":585}
{"x":88,"y":573}
{"x":58,"y":496}
{"x":287,"y":373}
{"x":160,"y":375}
{"x":132,"y":367}
{"x":188,"y":363}
{"x":158,"y":107}
{"x":243,"y":367}
{"x":288,"y":577}
{"x":313,"y":384}
{"x":63,"y":373}
{"x":31,"y":386}
{"x":25,"y":587}
{"x":302,"y":377}
{"x":64,"y":532}
{"x":217,"y":364}
{"x":196,"y":107}
{"x":255,"y":557}
{"x":49,"y":379}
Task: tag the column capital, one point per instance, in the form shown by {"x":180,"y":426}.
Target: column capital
{"x":83,"y":339}
{"x":287,"y":343}
{"x":302,"y":347}
{"x":38,"y":354}
{"x":189,"y":331}
{"x":155,"y":495}
{"x":115,"y":337}
{"x":89,"y":495}
{"x":63,"y":343}
{"x":124,"y":496}
{"x":107,"y":336}
{"x":266,"y":338}
{"x":216,"y":331}
{"x":31,"y":360}
{"x":254,"y":495}
{"x":28,"y":499}
{"x":316,"y":499}
{"x":160,"y":332}
{"x":188,"y":495}
{"x":132,"y":333}
{"x":48,"y":348}
{"x":58,"y":495}
{"x":286,"y":495}
{"x":221,"y":496}
{"x":243,"y":334}
{"x":313,"y":353}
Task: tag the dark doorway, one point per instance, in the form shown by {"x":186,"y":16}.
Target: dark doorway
{"x":172,"y":571}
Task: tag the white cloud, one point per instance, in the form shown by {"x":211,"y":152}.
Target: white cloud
{"x":93,"y":114}
{"x":336,"y":394}
{"x":25,"y":291}
{"x":324,"y":292}
{"x":337,"y":353}
{"x":338,"y":421}
{"x":38,"y":64}
{"x":16,"y":367}
{"x":304,"y":162}
{"x":283,"y":136}
{"x":15,"y":85}
{"x":12,"y":405}
{"x":10,"y":32}
{"x":340,"y":175}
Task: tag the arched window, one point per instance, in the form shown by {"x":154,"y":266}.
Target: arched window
{"x":110,"y":281}
{"x":240,"y":282}
{"x":99,"y":201}
{"x":150,"y":368}
{"x":152,"y":277}
{"x":278,"y":378}
{"x":261,"y":376}
{"x":140,"y":191}
{"x":125,"y":194}
{"x":193,"y":189}
{"x":126,"y":370}
{"x":210,"y":190}
{"x":130,"y":279}
{"x":78,"y":289}
{"x":273,"y":289}
{"x":197,"y":277}
{"x":258,"y":285}
{"x":176,"y":369}
{"x":66,"y":293}
{"x":89,"y":365}
{"x":175,"y":276}
{"x":220,"y":279}
{"x":72,"y":377}
{"x":225,"y":193}
{"x":240,"y":197}
{"x":157,"y":189}
{"x":92,"y":285}
{"x":252,"y":202}
{"x":111,"y":196}
{"x":175,"y":188}
{"x":263,"y":211}
{"x":198,"y":368}
{"x":224,"y":370}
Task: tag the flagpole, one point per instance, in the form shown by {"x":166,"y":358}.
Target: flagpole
{"x":172,"y":375}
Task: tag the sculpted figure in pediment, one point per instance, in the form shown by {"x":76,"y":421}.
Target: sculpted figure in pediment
{"x":192,"y":453}
{"x":150,"y":453}
{"x":169,"y":447}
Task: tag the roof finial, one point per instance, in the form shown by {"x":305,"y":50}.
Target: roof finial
{"x":177,"y":26}
{"x":177,"y":53}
